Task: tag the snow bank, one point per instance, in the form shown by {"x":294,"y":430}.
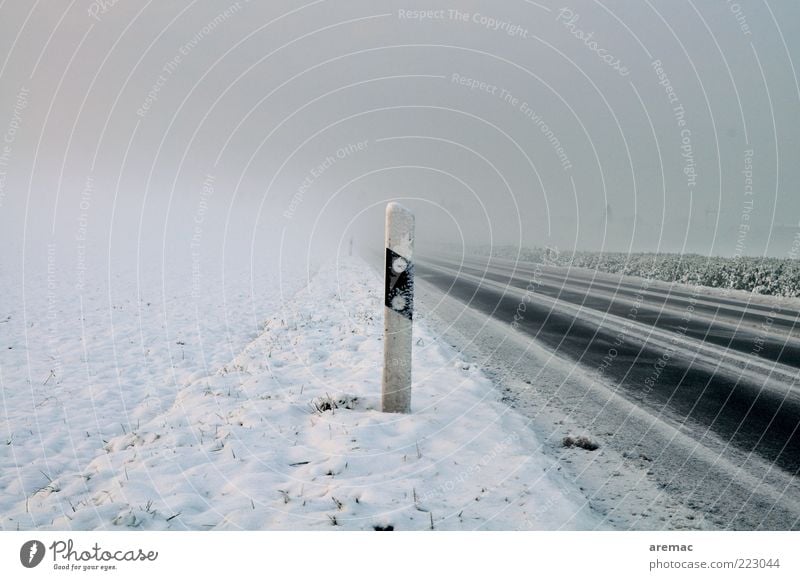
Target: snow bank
{"x":287,"y":435}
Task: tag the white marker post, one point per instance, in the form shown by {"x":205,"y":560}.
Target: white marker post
{"x":398,"y":311}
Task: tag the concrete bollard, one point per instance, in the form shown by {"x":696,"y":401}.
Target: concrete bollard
{"x":398,"y":310}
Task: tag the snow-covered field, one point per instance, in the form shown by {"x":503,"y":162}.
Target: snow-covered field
{"x":134,"y":405}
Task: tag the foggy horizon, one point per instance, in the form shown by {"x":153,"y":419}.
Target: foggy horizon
{"x":660,"y":127}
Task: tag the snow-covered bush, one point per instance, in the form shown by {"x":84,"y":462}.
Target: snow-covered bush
{"x":772,"y":276}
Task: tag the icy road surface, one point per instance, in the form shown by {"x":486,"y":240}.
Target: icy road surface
{"x":695,"y":389}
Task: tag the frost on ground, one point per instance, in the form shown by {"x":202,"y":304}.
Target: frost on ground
{"x":288,"y":435}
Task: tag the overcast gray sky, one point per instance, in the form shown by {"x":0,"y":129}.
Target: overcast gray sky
{"x":644,"y":126}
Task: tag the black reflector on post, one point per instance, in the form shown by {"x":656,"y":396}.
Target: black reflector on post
{"x":399,"y":292}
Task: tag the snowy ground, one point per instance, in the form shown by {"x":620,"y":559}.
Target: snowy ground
{"x":143,"y":409}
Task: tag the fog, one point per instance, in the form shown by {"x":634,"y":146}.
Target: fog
{"x":281,"y":129}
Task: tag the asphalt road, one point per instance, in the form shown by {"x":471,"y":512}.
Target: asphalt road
{"x":708,"y":364}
